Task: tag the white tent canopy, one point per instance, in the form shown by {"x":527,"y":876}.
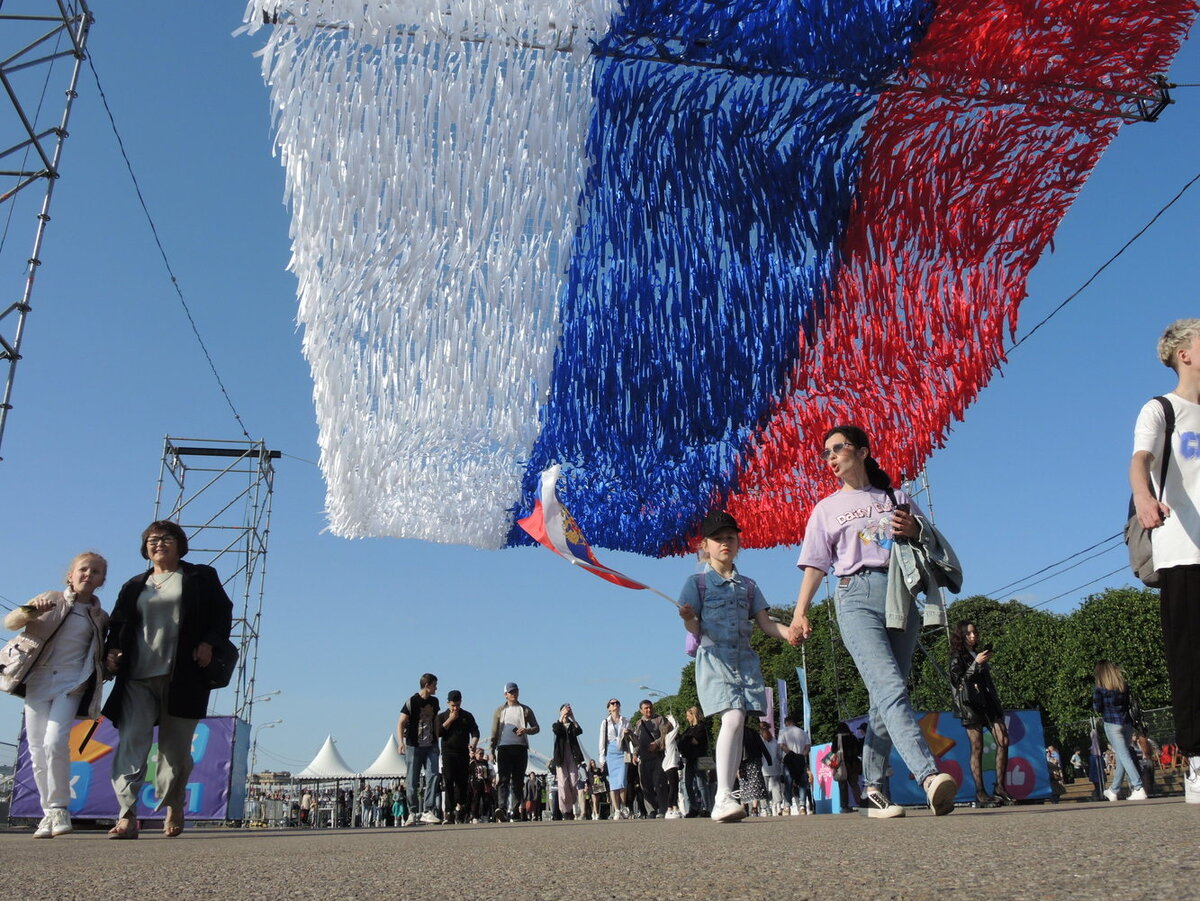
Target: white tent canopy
{"x":389,"y":764}
{"x":328,"y":764}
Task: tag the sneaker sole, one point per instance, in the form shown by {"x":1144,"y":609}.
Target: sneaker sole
{"x":942,"y":799}
{"x":732,"y":817}
{"x":888,"y":813}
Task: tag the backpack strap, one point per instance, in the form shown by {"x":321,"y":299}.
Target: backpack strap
{"x":1169,"y":413}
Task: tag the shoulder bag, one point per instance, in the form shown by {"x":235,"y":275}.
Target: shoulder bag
{"x":1137,"y":538}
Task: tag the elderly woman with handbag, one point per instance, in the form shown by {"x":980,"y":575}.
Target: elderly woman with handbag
{"x":164,"y":628}
{"x":55,"y":664}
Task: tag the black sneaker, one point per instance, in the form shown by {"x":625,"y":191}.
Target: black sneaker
{"x":877,"y":806}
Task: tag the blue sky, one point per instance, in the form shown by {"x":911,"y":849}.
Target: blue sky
{"x":1034,"y":474}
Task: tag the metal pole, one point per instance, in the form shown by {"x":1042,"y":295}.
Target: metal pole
{"x":83,"y":21}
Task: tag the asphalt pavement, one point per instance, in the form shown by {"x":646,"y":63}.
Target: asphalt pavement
{"x":1127,"y":850}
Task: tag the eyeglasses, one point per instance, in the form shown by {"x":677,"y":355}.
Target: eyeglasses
{"x":160,"y":539}
{"x":836,"y":449}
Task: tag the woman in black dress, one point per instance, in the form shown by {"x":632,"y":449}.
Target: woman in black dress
{"x":977,"y":704}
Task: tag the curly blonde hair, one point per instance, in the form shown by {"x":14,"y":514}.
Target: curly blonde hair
{"x":1179,"y":334}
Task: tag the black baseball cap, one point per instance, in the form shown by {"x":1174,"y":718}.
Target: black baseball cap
{"x":716,"y":521}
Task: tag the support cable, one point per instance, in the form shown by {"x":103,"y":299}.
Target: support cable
{"x":1055,"y":575}
{"x":1107,"y":263}
{"x":163,"y":253}
{"x":1004,"y":588}
{"x":1078,"y":587}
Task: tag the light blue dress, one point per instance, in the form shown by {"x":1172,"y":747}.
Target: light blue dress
{"x":728,"y":671}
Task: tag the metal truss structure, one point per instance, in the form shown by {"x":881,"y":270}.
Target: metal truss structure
{"x":33,"y":41}
{"x":220,"y":494}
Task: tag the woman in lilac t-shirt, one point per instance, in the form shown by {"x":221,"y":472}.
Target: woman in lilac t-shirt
{"x":851,"y":533}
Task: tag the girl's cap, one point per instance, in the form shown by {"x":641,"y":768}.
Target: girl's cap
{"x":716,"y":521}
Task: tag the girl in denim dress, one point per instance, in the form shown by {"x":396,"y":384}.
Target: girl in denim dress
{"x":721,"y":606}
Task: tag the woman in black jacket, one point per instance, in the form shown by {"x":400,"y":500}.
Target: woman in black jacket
{"x":693,"y":744}
{"x":161,"y":636}
{"x":977,"y":704}
{"x":567,"y":758}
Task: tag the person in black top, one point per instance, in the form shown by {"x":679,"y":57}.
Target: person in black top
{"x":460,"y":737}
{"x":977,"y":704}
{"x":693,"y":745}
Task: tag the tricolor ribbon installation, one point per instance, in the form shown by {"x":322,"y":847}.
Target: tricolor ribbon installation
{"x":668,"y":244}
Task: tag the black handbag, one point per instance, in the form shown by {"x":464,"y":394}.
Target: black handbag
{"x":219,"y":671}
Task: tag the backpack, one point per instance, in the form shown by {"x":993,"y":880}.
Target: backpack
{"x":1137,"y":538}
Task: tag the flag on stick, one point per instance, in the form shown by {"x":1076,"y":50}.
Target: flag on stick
{"x":552,"y":526}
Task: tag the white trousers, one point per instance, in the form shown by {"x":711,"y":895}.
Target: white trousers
{"x":48,"y":731}
{"x":145,"y":701}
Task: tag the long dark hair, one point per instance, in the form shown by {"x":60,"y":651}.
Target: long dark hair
{"x":958,"y":638}
{"x":875,"y":473}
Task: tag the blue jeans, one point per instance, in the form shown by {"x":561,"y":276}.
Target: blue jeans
{"x":417,"y":759}
{"x":1119,"y":737}
{"x":795,"y":779}
{"x":883,"y":657}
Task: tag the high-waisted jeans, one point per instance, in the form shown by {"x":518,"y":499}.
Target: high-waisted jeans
{"x":883,"y":657}
{"x":1119,"y":737}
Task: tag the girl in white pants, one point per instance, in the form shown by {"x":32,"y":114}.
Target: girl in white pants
{"x":56,"y":665}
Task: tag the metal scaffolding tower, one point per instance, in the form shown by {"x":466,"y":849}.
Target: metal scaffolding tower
{"x":32,"y":42}
{"x":220,"y":494}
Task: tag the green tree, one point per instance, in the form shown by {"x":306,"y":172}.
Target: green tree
{"x":1121,"y":625}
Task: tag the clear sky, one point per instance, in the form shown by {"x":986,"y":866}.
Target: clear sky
{"x":1036,"y":473}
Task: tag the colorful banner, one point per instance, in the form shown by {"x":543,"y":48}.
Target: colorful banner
{"x":1028,"y":776}
{"x":216,"y":789}
{"x":807,"y":709}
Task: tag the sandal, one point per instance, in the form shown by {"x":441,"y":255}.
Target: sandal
{"x":125,"y":828}
{"x":172,"y":824}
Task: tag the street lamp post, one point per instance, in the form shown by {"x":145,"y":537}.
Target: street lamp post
{"x":254,"y":746}
{"x":654,"y":693}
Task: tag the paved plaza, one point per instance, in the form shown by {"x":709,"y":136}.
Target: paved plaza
{"x":1144,"y":850}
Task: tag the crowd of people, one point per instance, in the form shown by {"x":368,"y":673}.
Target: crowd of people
{"x":166,"y":639}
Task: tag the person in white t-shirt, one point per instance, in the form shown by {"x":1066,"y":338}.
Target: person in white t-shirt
{"x":794,"y":744}
{"x":1175,"y":521}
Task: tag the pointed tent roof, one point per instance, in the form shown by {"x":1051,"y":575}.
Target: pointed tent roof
{"x":389,"y":764}
{"x":328,"y":764}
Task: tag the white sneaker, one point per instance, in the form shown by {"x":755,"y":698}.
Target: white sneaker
{"x":1110,"y":794}
{"x":60,"y":821}
{"x":1138,"y":794}
{"x":728,"y":809}
{"x":940,"y":792}
{"x":877,"y":806}
{"x":672,"y":815}
{"x":45,"y":829}
{"x":1191,"y":781}
{"x":430,"y":818}
{"x":410,"y":820}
